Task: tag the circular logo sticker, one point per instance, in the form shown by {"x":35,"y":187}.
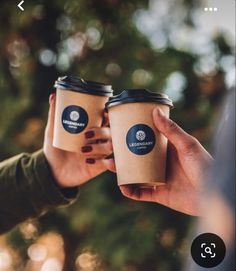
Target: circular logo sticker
{"x":74,"y":119}
{"x":140,"y":139}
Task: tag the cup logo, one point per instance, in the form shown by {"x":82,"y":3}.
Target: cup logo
{"x":74,"y":115}
{"x":140,"y":139}
{"x":74,"y":119}
{"x":140,"y":135}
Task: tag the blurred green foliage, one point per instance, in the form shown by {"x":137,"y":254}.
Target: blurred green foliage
{"x":101,"y":41}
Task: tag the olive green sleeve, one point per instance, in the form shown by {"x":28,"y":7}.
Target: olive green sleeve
{"x":27,"y":189}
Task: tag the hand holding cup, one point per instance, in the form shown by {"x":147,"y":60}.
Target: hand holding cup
{"x":186,"y":171}
{"x":75,"y":168}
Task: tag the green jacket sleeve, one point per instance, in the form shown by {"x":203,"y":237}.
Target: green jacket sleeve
{"x":27,"y":189}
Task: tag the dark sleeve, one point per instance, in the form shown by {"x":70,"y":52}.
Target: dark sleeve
{"x":27,"y":189}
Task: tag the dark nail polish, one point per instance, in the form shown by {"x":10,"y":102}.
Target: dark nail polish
{"x":89,"y":134}
{"x":90,"y":161}
{"x":86,"y":148}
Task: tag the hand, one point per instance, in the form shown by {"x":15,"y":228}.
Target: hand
{"x":187,"y":164}
{"x":72,"y":169}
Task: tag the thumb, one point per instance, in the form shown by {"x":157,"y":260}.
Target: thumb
{"x":51,"y":117}
{"x":176,"y":135}
{"x":136,"y":193}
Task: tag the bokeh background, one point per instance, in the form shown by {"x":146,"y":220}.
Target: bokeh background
{"x":171,"y":46}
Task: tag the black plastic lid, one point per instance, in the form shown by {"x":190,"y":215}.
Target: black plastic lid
{"x":138,"y":95}
{"x":80,"y":85}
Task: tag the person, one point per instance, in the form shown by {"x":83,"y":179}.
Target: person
{"x":197,"y":184}
{"x":31,"y":184}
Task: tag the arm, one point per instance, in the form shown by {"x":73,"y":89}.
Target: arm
{"x":33,"y":184}
{"x":28,"y":189}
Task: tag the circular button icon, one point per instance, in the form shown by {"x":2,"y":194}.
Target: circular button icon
{"x":208,"y":250}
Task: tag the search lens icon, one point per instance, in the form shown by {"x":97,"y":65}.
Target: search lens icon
{"x":208,"y":250}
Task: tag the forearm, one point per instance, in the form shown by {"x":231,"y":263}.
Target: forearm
{"x":27,"y":189}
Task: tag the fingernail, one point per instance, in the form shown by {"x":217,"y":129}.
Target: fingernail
{"x":86,"y":148}
{"x":89,"y":134}
{"x":160,"y":112}
{"x":90,"y":161}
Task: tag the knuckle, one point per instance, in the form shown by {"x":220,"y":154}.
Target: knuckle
{"x":104,"y":149}
{"x":190,"y":146}
{"x":105,"y":132}
{"x":172,"y":126}
{"x":96,"y":131}
{"x":109,"y":146}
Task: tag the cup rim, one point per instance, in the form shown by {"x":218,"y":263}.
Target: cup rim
{"x":138,"y":95}
{"x":77,"y":84}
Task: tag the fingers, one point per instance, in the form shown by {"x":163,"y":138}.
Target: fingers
{"x":99,"y":149}
{"x":182,"y":141}
{"x":51,"y":117}
{"x":105,"y":120}
{"x":102,"y":164}
{"x":136,"y":193}
{"x":102,"y":133}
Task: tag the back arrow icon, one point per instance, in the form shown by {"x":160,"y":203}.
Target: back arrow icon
{"x":20,"y":5}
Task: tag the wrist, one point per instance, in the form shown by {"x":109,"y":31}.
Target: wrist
{"x":45,"y":186}
{"x":55,"y":171}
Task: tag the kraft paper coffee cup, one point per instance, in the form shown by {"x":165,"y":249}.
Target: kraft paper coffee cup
{"x":79,"y":106}
{"x":139,"y":148}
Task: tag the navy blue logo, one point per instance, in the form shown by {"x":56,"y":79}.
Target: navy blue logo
{"x":140,"y":139}
{"x":74,"y":119}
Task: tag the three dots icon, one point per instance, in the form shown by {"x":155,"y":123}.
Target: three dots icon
{"x":210,"y":9}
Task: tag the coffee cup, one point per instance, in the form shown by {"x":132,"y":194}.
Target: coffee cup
{"x":139,"y":148}
{"x":79,"y":106}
